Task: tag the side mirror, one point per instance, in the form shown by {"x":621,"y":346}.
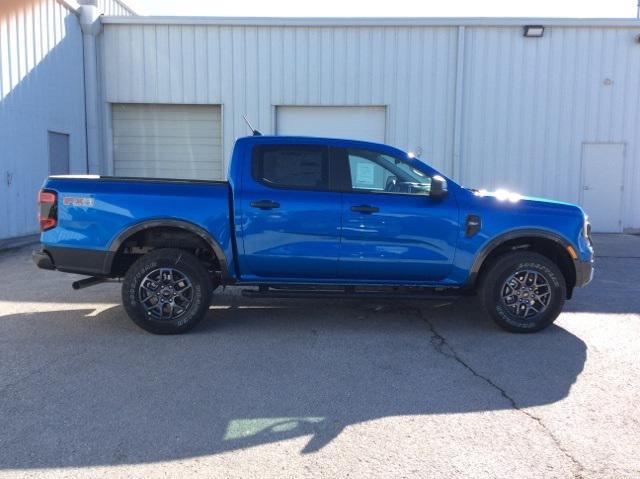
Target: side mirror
{"x":438,"y":187}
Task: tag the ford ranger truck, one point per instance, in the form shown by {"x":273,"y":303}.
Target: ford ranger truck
{"x":317,"y":217}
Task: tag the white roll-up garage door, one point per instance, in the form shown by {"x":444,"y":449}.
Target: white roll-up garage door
{"x":167,"y":141}
{"x":354,"y":122}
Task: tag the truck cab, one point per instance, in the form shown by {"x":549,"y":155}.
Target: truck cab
{"x":347,"y":211}
{"x":316,"y":216}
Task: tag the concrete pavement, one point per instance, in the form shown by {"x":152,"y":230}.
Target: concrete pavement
{"x":299,"y":388}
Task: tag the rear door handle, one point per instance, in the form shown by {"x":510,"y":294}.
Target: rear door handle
{"x":265,"y":204}
{"x":365,"y":209}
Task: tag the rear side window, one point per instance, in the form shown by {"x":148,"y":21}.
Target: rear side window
{"x":292,"y":166}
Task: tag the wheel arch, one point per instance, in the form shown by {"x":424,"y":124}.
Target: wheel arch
{"x":551,"y":244}
{"x":131,"y":230}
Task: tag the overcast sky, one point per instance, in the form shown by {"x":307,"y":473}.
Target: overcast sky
{"x":393,"y":8}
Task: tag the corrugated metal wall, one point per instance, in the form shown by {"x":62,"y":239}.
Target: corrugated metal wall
{"x":526,"y":105}
{"x":41,"y":86}
{"x":251,"y":69}
{"x":529,"y":104}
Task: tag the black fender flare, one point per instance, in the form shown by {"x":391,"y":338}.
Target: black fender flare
{"x":486,"y":250}
{"x":173,"y":223}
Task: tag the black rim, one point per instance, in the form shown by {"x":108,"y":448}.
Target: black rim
{"x":165,"y":294}
{"x":526,"y":293}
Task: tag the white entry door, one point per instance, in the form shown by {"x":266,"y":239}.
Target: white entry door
{"x":353,"y":122}
{"x":602,"y":177}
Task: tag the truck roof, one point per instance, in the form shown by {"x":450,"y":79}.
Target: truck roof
{"x":291,"y":139}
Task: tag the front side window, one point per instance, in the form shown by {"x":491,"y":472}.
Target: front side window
{"x":376,"y":172}
{"x":292,"y":166}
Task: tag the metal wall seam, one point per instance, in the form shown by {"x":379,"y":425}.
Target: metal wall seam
{"x":456,"y":163}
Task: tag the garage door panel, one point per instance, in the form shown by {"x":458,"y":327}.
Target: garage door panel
{"x":163,"y":173}
{"x":139,"y":160}
{"x":168,"y":141}
{"x":355,"y":122}
{"x":164,"y":121}
{"x":149,"y":169}
{"x":174,"y":129}
{"x":162,"y":112}
{"x":148,"y":152}
{"x":165,"y":163}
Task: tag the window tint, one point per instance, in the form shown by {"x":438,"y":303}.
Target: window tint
{"x":374,"y":171}
{"x":292,"y":166}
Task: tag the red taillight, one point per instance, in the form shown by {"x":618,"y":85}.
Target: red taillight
{"x":47,"y":209}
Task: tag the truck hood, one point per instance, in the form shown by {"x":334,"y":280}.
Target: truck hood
{"x":517,"y":202}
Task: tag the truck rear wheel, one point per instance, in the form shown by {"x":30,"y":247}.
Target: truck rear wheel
{"x":523,"y":291}
{"x":167,"y":291}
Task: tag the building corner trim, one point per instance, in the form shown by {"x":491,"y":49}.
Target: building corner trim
{"x":91,"y":25}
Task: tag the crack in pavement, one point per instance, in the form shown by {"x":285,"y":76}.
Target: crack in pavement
{"x":442,"y":346}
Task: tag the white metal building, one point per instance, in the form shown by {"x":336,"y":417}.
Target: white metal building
{"x":555,"y":116}
{"x":42,"y":103}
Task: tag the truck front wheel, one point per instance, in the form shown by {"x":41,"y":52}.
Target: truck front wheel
{"x":523,"y":291}
{"x":167,"y":291}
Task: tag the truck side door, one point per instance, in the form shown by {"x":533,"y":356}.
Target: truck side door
{"x":393,"y":231}
{"x":290,"y":217}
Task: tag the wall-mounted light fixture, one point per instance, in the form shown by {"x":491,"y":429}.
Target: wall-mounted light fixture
{"x":533,"y":31}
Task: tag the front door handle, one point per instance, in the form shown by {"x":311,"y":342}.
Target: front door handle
{"x":365,"y":209}
{"x":265,"y":204}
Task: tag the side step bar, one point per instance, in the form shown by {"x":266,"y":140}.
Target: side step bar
{"x":91,"y":281}
{"x":350,"y":292}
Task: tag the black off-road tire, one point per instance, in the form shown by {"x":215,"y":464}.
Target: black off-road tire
{"x":186,"y":266}
{"x":493,"y":284}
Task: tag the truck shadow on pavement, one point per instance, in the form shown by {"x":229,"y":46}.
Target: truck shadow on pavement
{"x":81,"y":390}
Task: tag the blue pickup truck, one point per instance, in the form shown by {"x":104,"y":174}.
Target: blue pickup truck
{"x":306,"y":216}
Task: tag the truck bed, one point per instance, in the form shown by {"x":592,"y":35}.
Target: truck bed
{"x":94,"y":211}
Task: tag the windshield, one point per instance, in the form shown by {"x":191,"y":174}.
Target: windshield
{"x":412,"y":174}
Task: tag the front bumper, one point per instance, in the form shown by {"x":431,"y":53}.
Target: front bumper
{"x":584,"y":272}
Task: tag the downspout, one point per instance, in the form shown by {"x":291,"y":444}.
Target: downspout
{"x":91,"y":27}
{"x":456,"y":167}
